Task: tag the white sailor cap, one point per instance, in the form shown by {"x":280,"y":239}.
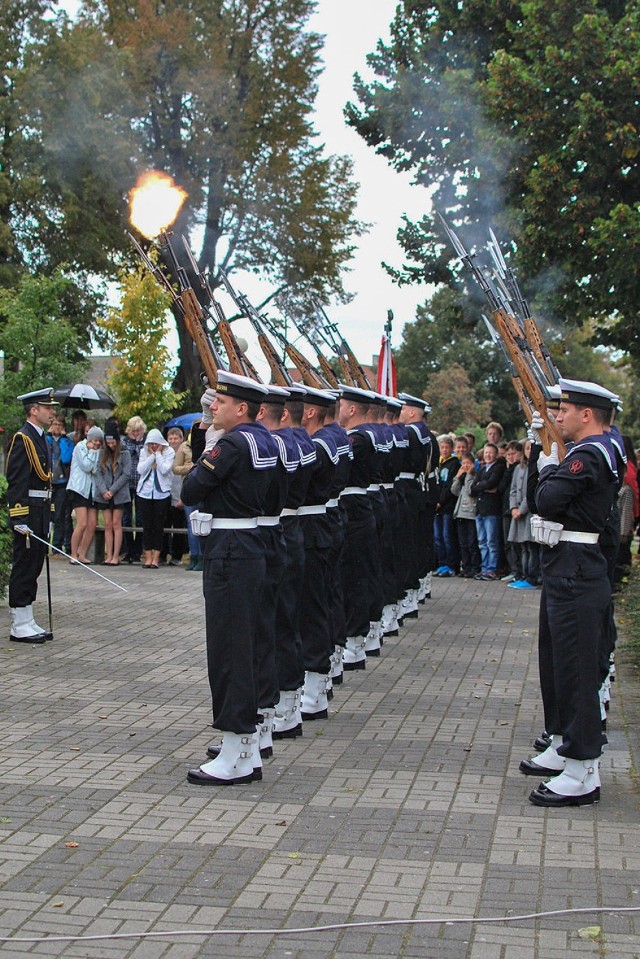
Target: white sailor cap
{"x":416,"y":401}
{"x":315,"y":397}
{"x":354,"y":394}
{"x":297,"y":391}
{"x":393,"y":403}
{"x":240,"y":387}
{"x":585,"y":393}
{"x":276,"y":394}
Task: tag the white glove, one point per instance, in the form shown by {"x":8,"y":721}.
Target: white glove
{"x":549,"y":459}
{"x":206,"y":400}
{"x":212,"y":438}
{"x":200,"y":523}
{"x":537,"y":423}
{"x":545,"y":532}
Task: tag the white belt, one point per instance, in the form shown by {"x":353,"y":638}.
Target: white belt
{"x":406,"y":476}
{"x":40,"y":493}
{"x":312,"y":510}
{"x":289,"y":512}
{"x":248,"y":522}
{"x":574,"y":536}
{"x":268,"y":520}
{"x":431,"y":474}
{"x":352,"y":490}
{"x":332,"y":502}
{"x":374,"y":488}
{"x":386,"y":485}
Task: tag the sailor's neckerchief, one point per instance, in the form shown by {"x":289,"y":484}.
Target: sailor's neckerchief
{"x":263,"y":449}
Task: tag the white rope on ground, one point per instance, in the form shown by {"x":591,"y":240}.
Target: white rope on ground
{"x":302,"y":930}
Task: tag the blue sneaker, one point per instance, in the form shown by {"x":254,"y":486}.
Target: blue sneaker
{"x":447,"y":571}
{"x":521,"y":584}
{"x":439,"y":571}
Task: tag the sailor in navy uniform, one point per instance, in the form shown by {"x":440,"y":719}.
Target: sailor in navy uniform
{"x":324,"y":535}
{"x":232,"y":482}
{"x":573,"y":500}
{"x":29,"y":498}
{"x":320,"y":422}
{"x":361,"y":534}
{"x":420,"y":455}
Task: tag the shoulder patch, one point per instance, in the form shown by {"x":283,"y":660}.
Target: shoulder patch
{"x":576,"y":466}
{"x":214,"y":453}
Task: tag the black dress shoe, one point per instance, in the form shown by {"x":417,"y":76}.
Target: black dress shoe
{"x":391,"y":632}
{"x":38,"y":638}
{"x":372,"y":652}
{"x":542,"y":742}
{"x":348,"y":667}
{"x":337,"y":680}
{"x":322,"y":714}
{"x":530,"y":768}
{"x":287,"y":733}
{"x":543,"y":796}
{"x":201,"y":778}
{"x":412,"y":615}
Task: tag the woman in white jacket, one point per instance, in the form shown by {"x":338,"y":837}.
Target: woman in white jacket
{"x":84,"y":464}
{"x":155,"y":469}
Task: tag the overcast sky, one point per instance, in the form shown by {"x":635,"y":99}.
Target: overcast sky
{"x":352,"y":29}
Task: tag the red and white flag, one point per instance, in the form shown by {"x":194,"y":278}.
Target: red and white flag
{"x":387,"y":380}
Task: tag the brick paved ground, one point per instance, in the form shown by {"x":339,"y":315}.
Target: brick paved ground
{"x":406,"y":803}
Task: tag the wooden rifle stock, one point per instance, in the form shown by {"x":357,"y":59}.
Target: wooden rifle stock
{"x":327,"y":371}
{"x":550,"y":434}
{"x":194,"y":322}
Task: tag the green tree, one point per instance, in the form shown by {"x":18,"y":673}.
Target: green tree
{"x":453,"y":400}
{"x":41,"y":347}
{"x":216,"y":93}
{"x":446,"y":332}
{"x":524,"y":116}
{"x":142,"y":369}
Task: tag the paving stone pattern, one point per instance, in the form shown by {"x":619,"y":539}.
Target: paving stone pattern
{"x":406,"y":804}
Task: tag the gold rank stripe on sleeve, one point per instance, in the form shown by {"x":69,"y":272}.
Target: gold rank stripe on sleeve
{"x":32,"y":456}
{"x":207,"y":463}
{"x":18,"y":510}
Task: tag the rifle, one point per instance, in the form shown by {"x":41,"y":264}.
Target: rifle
{"x":311,"y":336}
{"x":261,"y":323}
{"x":187,"y":305}
{"x":279,"y":372}
{"x":521,"y":309}
{"x":349,"y":365}
{"x":239,"y":362}
{"x":533,"y":380}
{"x":525,"y":403}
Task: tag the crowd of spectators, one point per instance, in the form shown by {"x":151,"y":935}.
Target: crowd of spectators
{"x":133,"y":477}
{"x":482,"y":526}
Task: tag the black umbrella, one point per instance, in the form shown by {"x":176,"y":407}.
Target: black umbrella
{"x":81,"y":396}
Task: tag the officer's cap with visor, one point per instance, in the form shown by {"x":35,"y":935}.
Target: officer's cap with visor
{"x":38,"y":397}
{"x":240,"y":387}
{"x":584,"y":393}
{"x":315,"y":397}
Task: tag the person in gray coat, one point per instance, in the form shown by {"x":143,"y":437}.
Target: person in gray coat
{"x":526,"y":553}
{"x":464,"y":516}
{"x":112,"y":493}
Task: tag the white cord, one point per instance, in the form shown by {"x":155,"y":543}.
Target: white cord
{"x":301,"y":930}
